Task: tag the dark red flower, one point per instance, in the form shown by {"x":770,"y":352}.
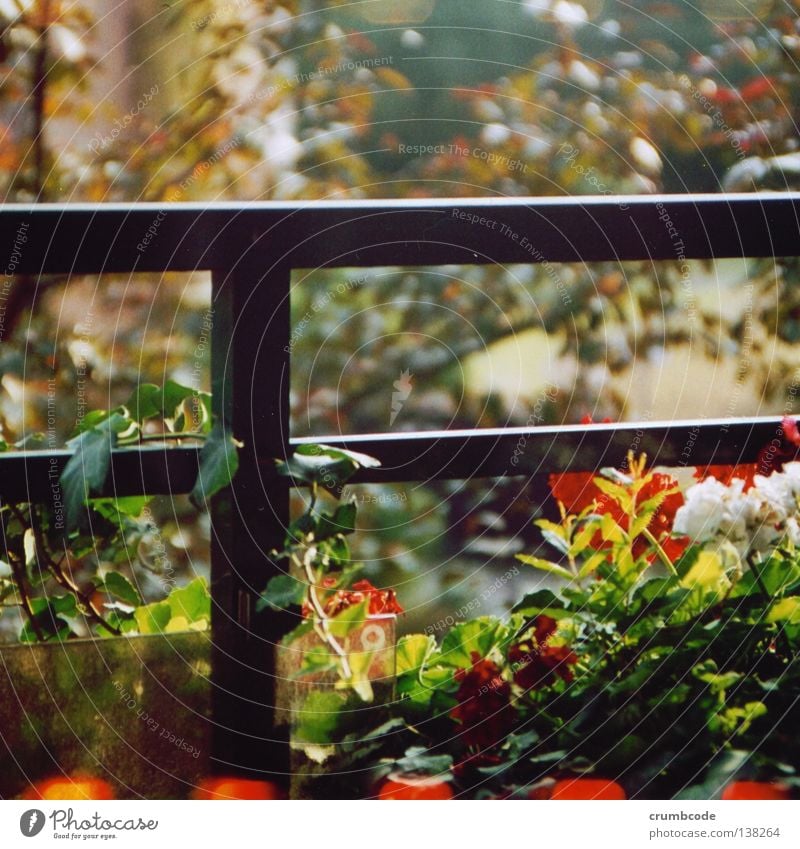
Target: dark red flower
{"x":484,"y":704}
{"x":790,"y":430}
{"x":544,"y":628}
{"x":536,"y":663}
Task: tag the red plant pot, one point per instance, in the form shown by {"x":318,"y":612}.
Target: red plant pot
{"x":755,"y":790}
{"x":414,"y":788}
{"x":221,"y":788}
{"x":588,"y":788}
{"x":70,"y":788}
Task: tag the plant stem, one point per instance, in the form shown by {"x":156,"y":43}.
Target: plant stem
{"x":19,"y":580}
{"x":63,"y":579}
{"x":663,"y":556}
{"x":322,"y":617}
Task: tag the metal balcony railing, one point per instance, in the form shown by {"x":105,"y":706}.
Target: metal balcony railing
{"x":250,"y":250}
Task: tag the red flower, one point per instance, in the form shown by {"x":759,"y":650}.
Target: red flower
{"x":484,"y":704}
{"x":726,"y":474}
{"x":537,"y":663}
{"x":381,"y":602}
{"x":577,"y":491}
{"x":770,"y":458}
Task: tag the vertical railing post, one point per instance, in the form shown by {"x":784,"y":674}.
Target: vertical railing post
{"x":250,"y":385}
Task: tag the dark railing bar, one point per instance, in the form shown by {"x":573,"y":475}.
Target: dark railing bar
{"x":464,"y":454}
{"x":151,"y":470}
{"x":97,"y":238}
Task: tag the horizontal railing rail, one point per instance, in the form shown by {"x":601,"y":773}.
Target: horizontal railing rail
{"x":93,"y":238}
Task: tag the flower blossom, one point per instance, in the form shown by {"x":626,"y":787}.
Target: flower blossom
{"x":751,"y":519}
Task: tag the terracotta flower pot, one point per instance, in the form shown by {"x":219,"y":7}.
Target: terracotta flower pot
{"x":70,"y":788}
{"x":737,"y":790}
{"x":414,"y":788}
{"x":588,"y":788}
{"x":221,"y":788}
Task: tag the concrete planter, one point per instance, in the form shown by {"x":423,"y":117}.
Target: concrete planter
{"x":132,"y":711}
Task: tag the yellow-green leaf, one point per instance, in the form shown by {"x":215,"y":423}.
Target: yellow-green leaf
{"x":786,"y":610}
{"x":545,"y":566}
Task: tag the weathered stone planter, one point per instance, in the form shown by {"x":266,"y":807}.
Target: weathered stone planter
{"x":133,"y":711}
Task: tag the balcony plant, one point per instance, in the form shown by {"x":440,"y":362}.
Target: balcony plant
{"x":337,"y":665}
{"x":661,"y":663}
{"x":70,"y":568}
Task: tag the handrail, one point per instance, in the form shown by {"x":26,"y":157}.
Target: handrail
{"x":94,"y":238}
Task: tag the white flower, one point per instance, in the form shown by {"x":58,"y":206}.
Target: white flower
{"x":702,"y":513}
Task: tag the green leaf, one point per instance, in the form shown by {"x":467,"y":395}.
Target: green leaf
{"x":343,"y":521}
{"x":412,"y":652}
{"x":349,"y":620}
{"x":114,"y":508}
{"x":545,"y":566}
{"x":53,"y":615}
{"x":328,"y":467}
{"x":192,"y":601}
{"x":786,"y":610}
{"x":219,"y":461}
{"x":592,"y":564}
{"x":556,"y":540}
{"x":582,"y":539}
{"x":616,"y":492}
{"x":173,"y":395}
{"x":318,"y":717}
{"x":85,"y":472}
{"x":475,"y":636}
{"x":540,"y":602}
{"x":281,"y":593}
{"x":153,"y":618}
{"x":145,"y":402}
{"x":420,"y":760}
{"x":120,"y":587}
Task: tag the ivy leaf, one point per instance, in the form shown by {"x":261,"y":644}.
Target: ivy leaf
{"x":786,"y":610}
{"x":52,"y":616}
{"x":114,"y":509}
{"x":172,"y":396}
{"x":281,"y":593}
{"x":328,"y":467}
{"x":145,"y":402}
{"x":116,"y":584}
{"x":85,"y":472}
{"x":343,"y":521}
{"x":219,"y":461}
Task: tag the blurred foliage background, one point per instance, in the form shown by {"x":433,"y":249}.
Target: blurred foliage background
{"x":194,"y":100}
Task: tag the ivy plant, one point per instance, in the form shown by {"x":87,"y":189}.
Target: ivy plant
{"x":47,"y":548}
